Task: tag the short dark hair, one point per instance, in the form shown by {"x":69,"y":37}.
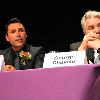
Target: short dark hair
{"x":11,"y":21}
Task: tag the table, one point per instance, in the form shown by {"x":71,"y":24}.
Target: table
{"x":60,"y":83}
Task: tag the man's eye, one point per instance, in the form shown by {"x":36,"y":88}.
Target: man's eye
{"x":91,"y":27}
{"x":21,"y":30}
{"x":13,"y":31}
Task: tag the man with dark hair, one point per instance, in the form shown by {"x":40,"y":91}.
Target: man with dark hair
{"x":20,"y":55}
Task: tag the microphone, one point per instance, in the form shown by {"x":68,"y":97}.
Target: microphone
{"x":98,"y":51}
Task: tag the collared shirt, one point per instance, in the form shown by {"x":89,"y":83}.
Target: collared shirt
{"x":36,"y":60}
{"x":95,"y":56}
{"x":95,"y":53}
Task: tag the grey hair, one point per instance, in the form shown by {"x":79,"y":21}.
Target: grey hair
{"x":88,"y":15}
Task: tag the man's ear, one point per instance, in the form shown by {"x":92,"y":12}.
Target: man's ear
{"x":6,"y":37}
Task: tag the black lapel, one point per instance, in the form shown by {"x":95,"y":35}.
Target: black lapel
{"x":9,"y":57}
{"x":90,"y":54}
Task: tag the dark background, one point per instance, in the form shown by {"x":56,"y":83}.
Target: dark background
{"x":54,"y":25}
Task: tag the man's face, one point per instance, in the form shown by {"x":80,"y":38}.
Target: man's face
{"x":92,"y":25}
{"x":16,"y":35}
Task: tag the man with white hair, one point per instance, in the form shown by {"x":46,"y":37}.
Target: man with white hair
{"x":91,"y":41}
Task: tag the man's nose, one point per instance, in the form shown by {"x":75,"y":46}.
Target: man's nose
{"x":17,"y":33}
{"x":96,"y":30}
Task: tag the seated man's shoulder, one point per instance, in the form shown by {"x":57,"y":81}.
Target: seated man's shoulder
{"x":75,"y":45}
{"x":5,"y":51}
{"x":36,"y":49}
{"x":1,"y":52}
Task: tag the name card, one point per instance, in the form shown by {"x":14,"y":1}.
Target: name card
{"x":58,"y":59}
{"x":2,"y":62}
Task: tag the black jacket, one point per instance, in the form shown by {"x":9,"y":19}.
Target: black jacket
{"x":89,"y":52}
{"x":36,"y":60}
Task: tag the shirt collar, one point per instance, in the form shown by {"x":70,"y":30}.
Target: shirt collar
{"x":25,"y":48}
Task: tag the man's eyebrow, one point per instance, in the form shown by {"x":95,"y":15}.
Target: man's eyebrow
{"x":21,"y":28}
{"x":12,"y":29}
{"x":98,"y":24}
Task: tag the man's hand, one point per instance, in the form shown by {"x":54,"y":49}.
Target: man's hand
{"x":89,"y":41}
{"x":8,"y":68}
{"x":94,"y":44}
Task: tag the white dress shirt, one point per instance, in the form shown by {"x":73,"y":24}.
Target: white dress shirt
{"x":95,"y":56}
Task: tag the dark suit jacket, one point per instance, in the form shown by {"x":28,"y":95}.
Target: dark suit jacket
{"x":37,"y":60}
{"x":89,"y":52}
